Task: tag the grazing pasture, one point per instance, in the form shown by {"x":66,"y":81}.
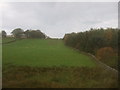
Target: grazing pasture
{"x":39,"y":63}
{"x":43,"y":53}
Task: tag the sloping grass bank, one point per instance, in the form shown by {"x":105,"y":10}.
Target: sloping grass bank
{"x":43,"y":53}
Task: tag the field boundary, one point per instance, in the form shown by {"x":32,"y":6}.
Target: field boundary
{"x":99,"y":62}
{"x":103,"y":65}
{"x":8,"y":42}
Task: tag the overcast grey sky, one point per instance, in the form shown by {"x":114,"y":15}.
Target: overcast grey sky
{"x":57,"y":18}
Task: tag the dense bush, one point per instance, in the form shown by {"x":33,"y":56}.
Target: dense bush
{"x":108,"y":56}
{"x":105,"y":53}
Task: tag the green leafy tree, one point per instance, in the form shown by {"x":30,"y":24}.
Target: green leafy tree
{"x":34,"y":34}
{"x":4,"y":34}
{"x":18,"y":32}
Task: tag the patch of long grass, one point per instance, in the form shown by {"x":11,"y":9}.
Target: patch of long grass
{"x":58,"y":77}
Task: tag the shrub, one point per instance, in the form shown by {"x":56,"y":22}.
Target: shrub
{"x":105,"y":53}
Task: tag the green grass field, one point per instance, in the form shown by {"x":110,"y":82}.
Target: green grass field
{"x":35,"y":63}
{"x":43,"y":53}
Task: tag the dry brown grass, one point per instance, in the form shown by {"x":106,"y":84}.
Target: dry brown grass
{"x":58,"y":77}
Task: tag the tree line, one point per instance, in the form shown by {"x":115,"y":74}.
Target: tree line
{"x":20,"y":33}
{"x":103,"y":43}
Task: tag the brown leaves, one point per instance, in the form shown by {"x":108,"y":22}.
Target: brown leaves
{"x":105,"y":53}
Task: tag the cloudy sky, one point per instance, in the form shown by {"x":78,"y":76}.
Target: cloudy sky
{"x":57,"y":18}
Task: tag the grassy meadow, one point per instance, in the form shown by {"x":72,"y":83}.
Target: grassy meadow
{"x":43,"y":53}
{"x":39,"y":63}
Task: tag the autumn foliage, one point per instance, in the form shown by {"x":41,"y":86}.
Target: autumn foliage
{"x":103,"y":43}
{"x":105,"y":53}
